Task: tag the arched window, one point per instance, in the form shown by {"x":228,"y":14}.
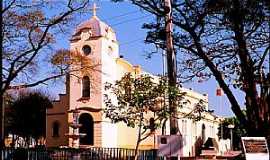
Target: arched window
{"x":203,"y":133}
{"x":55,"y":129}
{"x":86,"y":86}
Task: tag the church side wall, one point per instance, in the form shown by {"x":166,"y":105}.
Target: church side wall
{"x":192,"y":133}
{"x":127,"y":138}
{"x":62,"y":140}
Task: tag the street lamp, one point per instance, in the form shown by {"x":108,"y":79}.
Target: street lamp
{"x":231,"y":127}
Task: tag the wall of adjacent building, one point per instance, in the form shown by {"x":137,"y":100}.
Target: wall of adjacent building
{"x":57,"y":114}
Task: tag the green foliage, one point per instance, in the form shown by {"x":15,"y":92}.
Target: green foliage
{"x":130,"y":98}
{"x":198,"y":109}
{"x":27,"y":115}
{"x":142,"y":102}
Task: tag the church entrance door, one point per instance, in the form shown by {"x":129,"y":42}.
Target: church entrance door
{"x":86,"y":120}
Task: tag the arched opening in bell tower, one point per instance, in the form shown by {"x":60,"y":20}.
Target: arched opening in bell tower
{"x":87,"y":128}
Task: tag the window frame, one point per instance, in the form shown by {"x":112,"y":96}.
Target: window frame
{"x":54,"y":124}
{"x":88,"y":47}
{"x":86,"y":90}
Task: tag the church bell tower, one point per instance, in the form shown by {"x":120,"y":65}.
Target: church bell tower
{"x":95,"y":40}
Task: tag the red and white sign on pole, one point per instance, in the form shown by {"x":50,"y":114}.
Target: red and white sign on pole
{"x":219,"y":92}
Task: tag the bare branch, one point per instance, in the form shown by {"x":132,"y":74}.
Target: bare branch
{"x":7,"y":7}
{"x":263,"y":57}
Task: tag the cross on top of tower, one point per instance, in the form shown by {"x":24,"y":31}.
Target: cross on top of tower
{"x":94,"y":9}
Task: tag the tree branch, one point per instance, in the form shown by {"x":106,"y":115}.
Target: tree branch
{"x":7,"y":7}
{"x":35,"y":49}
{"x":263,"y":57}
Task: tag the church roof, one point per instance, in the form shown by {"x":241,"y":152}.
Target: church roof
{"x":97,"y":27}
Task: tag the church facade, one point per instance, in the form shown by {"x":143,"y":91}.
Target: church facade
{"x":85,"y":95}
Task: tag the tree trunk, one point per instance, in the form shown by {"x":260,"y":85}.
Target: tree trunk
{"x":139,"y":137}
{"x":218,"y":76}
{"x":248,"y":74}
{"x":2,"y":143}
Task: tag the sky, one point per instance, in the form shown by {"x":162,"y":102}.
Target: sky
{"x":127,"y":20}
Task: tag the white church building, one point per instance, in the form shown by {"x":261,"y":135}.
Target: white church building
{"x":85,"y":97}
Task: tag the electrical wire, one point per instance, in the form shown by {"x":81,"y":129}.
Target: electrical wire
{"x":133,"y":19}
{"x":121,"y":15}
{"x":132,"y":41}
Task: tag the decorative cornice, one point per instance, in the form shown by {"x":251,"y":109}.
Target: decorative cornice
{"x":59,"y":113}
{"x":90,"y":109}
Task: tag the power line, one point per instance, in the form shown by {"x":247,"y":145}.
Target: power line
{"x":132,"y":41}
{"x":133,"y":19}
{"x":121,"y":15}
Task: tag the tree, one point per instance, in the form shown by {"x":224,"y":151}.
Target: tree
{"x":142,"y":102}
{"x":26,"y":116}
{"x":28,"y":34}
{"x":139,"y":102}
{"x":227,"y":40}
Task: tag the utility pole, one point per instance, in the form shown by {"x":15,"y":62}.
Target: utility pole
{"x":171,"y":65}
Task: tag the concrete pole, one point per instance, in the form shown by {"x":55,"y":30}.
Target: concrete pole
{"x":171,"y":67}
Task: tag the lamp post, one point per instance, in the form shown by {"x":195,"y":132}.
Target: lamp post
{"x":231,"y":127}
